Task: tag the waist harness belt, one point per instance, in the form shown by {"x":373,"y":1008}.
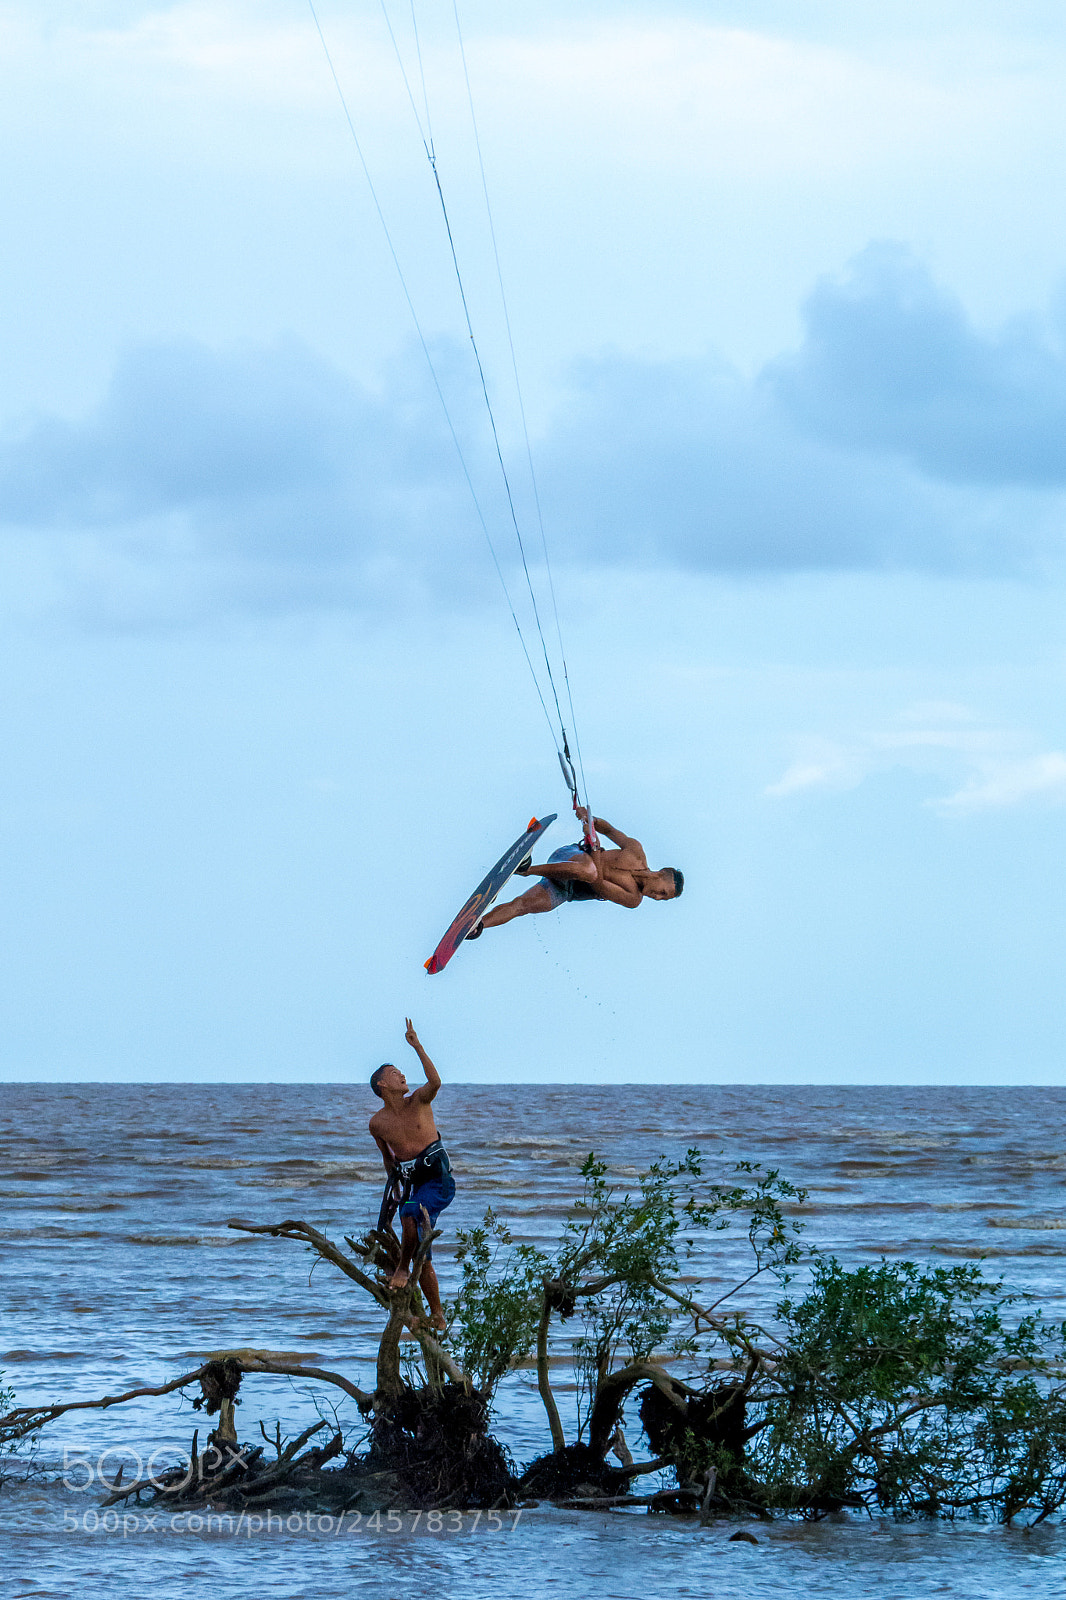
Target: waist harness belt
{"x":432,"y":1162}
{"x":429,"y":1163}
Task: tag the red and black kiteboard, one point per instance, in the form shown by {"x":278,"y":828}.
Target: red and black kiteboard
{"x":485,"y":894}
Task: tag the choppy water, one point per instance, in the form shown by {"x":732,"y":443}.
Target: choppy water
{"x":118,"y":1269}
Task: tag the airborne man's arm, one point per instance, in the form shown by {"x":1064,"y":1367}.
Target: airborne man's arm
{"x":630,"y":898}
{"x":624,"y":841}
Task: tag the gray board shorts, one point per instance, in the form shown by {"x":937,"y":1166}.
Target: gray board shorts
{"x":570,"y":888}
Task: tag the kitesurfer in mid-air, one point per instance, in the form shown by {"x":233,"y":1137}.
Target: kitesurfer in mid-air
{"x":578,"y":872}
{"x":411,"y":1148}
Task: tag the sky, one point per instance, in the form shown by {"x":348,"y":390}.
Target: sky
{"x":786,"y":288}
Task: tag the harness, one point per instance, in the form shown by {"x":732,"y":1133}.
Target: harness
{"x":407,"y":1175}
{"x":427,"y":1164}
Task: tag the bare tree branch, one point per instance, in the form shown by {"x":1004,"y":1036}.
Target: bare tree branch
{"x":27,"y":1419}
{"x":263,"y":1361}
{"x":318,"y":1241}
{"x":612,"y":1390}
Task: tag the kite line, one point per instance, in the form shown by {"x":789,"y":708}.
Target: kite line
{"x":558,"y":726}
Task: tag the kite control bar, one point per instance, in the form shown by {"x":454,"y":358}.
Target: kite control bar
{"x":591,"y":841}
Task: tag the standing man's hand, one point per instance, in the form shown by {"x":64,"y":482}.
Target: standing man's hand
{"x":432,"y":1083}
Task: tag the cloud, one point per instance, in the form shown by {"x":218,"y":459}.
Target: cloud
{"x":687,"y":463}
{"x":891,"y":364}
{"x":989,"y":767}
{"x":260,"y":477}
{"x":1010,"y":783}
{"x":264,"y":477}
{"x":182,"y":427}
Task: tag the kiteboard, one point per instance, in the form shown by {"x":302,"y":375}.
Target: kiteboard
{"x":485,"y":894}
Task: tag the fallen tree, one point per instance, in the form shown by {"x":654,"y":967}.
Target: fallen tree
{"x":917,"y":1391}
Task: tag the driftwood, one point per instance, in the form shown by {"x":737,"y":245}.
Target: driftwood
{"x":27,"y":1420}
{"x":226,"y":1476}
{"x":686,"y":1499}
{"x":678,"y":1500}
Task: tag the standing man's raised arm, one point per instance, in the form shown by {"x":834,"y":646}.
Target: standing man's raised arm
{"x":432,"y":1083}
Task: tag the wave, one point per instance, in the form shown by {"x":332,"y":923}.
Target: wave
{"x":988,"y":1252}
{"x":43,"y":1355}
{"x":1046,"y":1223}
{"x":156,"y":1240}
{"x":44,"y":1231}
{"x":216,"y":1164}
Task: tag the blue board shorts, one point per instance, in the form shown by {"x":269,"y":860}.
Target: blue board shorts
{"x":570,"y":888}
{"x":435,"y":1192}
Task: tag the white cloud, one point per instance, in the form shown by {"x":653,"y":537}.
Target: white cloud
{"x":726,"y":99}
{"x":1010,"y":783}
{"x":811,"y":775}
{"x":988,"y":766}
{"x":235,"y":86}
{"x":650,"y":93}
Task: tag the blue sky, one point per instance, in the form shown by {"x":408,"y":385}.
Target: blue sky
{"x":788,"y":294}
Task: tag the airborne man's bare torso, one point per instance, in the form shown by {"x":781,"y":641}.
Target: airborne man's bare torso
{"x":621,"y":876}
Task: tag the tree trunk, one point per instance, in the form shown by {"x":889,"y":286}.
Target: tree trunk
{"x":543,"y":1384}
{"x":389,"y":1382}
{"x":611,"y":1394}
{"x":226,"y":1431}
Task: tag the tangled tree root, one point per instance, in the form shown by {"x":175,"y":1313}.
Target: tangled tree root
{"x":429,"y":1448}
{"x":695,"y":1424}
{"x":436,"y":1443}
{"x":704,"y":1435}
{"x":573,"y":1472}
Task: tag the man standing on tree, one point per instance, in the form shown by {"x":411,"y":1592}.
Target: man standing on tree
{"x":411,"y":1148}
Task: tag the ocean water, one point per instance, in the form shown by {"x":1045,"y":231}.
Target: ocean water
{"x":118,"y":1269}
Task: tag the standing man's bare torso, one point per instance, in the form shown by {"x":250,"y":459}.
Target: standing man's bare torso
{"x":407,"y":1129}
